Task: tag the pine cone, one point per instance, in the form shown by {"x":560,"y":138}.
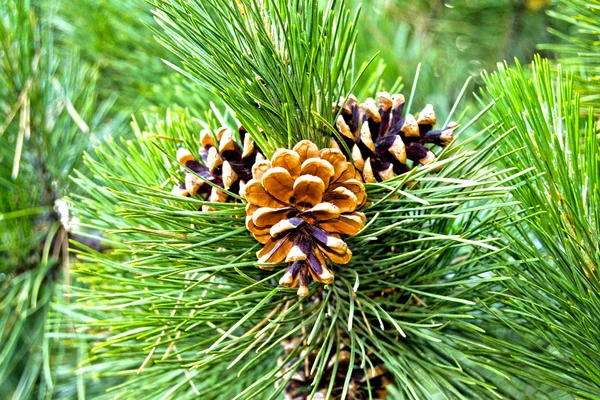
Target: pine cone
{"x":224,"y":163}
{"x":299,"y":386}
{"x":382,"y":141}
{"x":298,"y":205}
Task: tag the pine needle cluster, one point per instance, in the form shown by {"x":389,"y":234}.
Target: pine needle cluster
{"x":48,"y":114}
{"x":474,"y":277}
{"x":551,"y":298}
{"x":578,"y":46}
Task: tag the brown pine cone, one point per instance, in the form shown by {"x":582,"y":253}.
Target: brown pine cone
{"x":299,"y":386}
{"x":382,"y":141}
{"x":299,"y":204}
{"x":224,"y":163}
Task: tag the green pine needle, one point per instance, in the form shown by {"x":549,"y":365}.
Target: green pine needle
{"x":277,"y":69}
{"x":551,"y":302}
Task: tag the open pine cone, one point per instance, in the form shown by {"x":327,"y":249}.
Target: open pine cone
{"x":300,"y":386}
{"x":224,"y":163}
{"x":299,"y":204}
{"x":382,"y":140}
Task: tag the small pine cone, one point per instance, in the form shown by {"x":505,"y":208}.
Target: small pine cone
{"x":299,"y":386}
{"x":382,"y":141}
{"x":358,"y":389}
{"x":299,"y":204}
{"x":224,"y":163}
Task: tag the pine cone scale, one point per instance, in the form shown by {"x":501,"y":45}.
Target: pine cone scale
{"x":288,"y":160}
{"x":321,"y":212}
{"x":264,"y":216}
{"x":255,"y":194}
{"x":308,"y":191}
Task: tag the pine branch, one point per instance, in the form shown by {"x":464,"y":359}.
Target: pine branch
{"x":186,"y":300}
{"x":178,"y":308}
{"x":48,"y":116}
{"x":552,"y":298}
{"x":579,"y":44}
{"x":277,"y":64}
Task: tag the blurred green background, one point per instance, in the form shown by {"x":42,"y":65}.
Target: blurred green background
{"x":453,"y":39}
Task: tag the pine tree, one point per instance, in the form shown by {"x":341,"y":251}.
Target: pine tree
{"x":287,"y":217}
{"x":49,"y":115}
